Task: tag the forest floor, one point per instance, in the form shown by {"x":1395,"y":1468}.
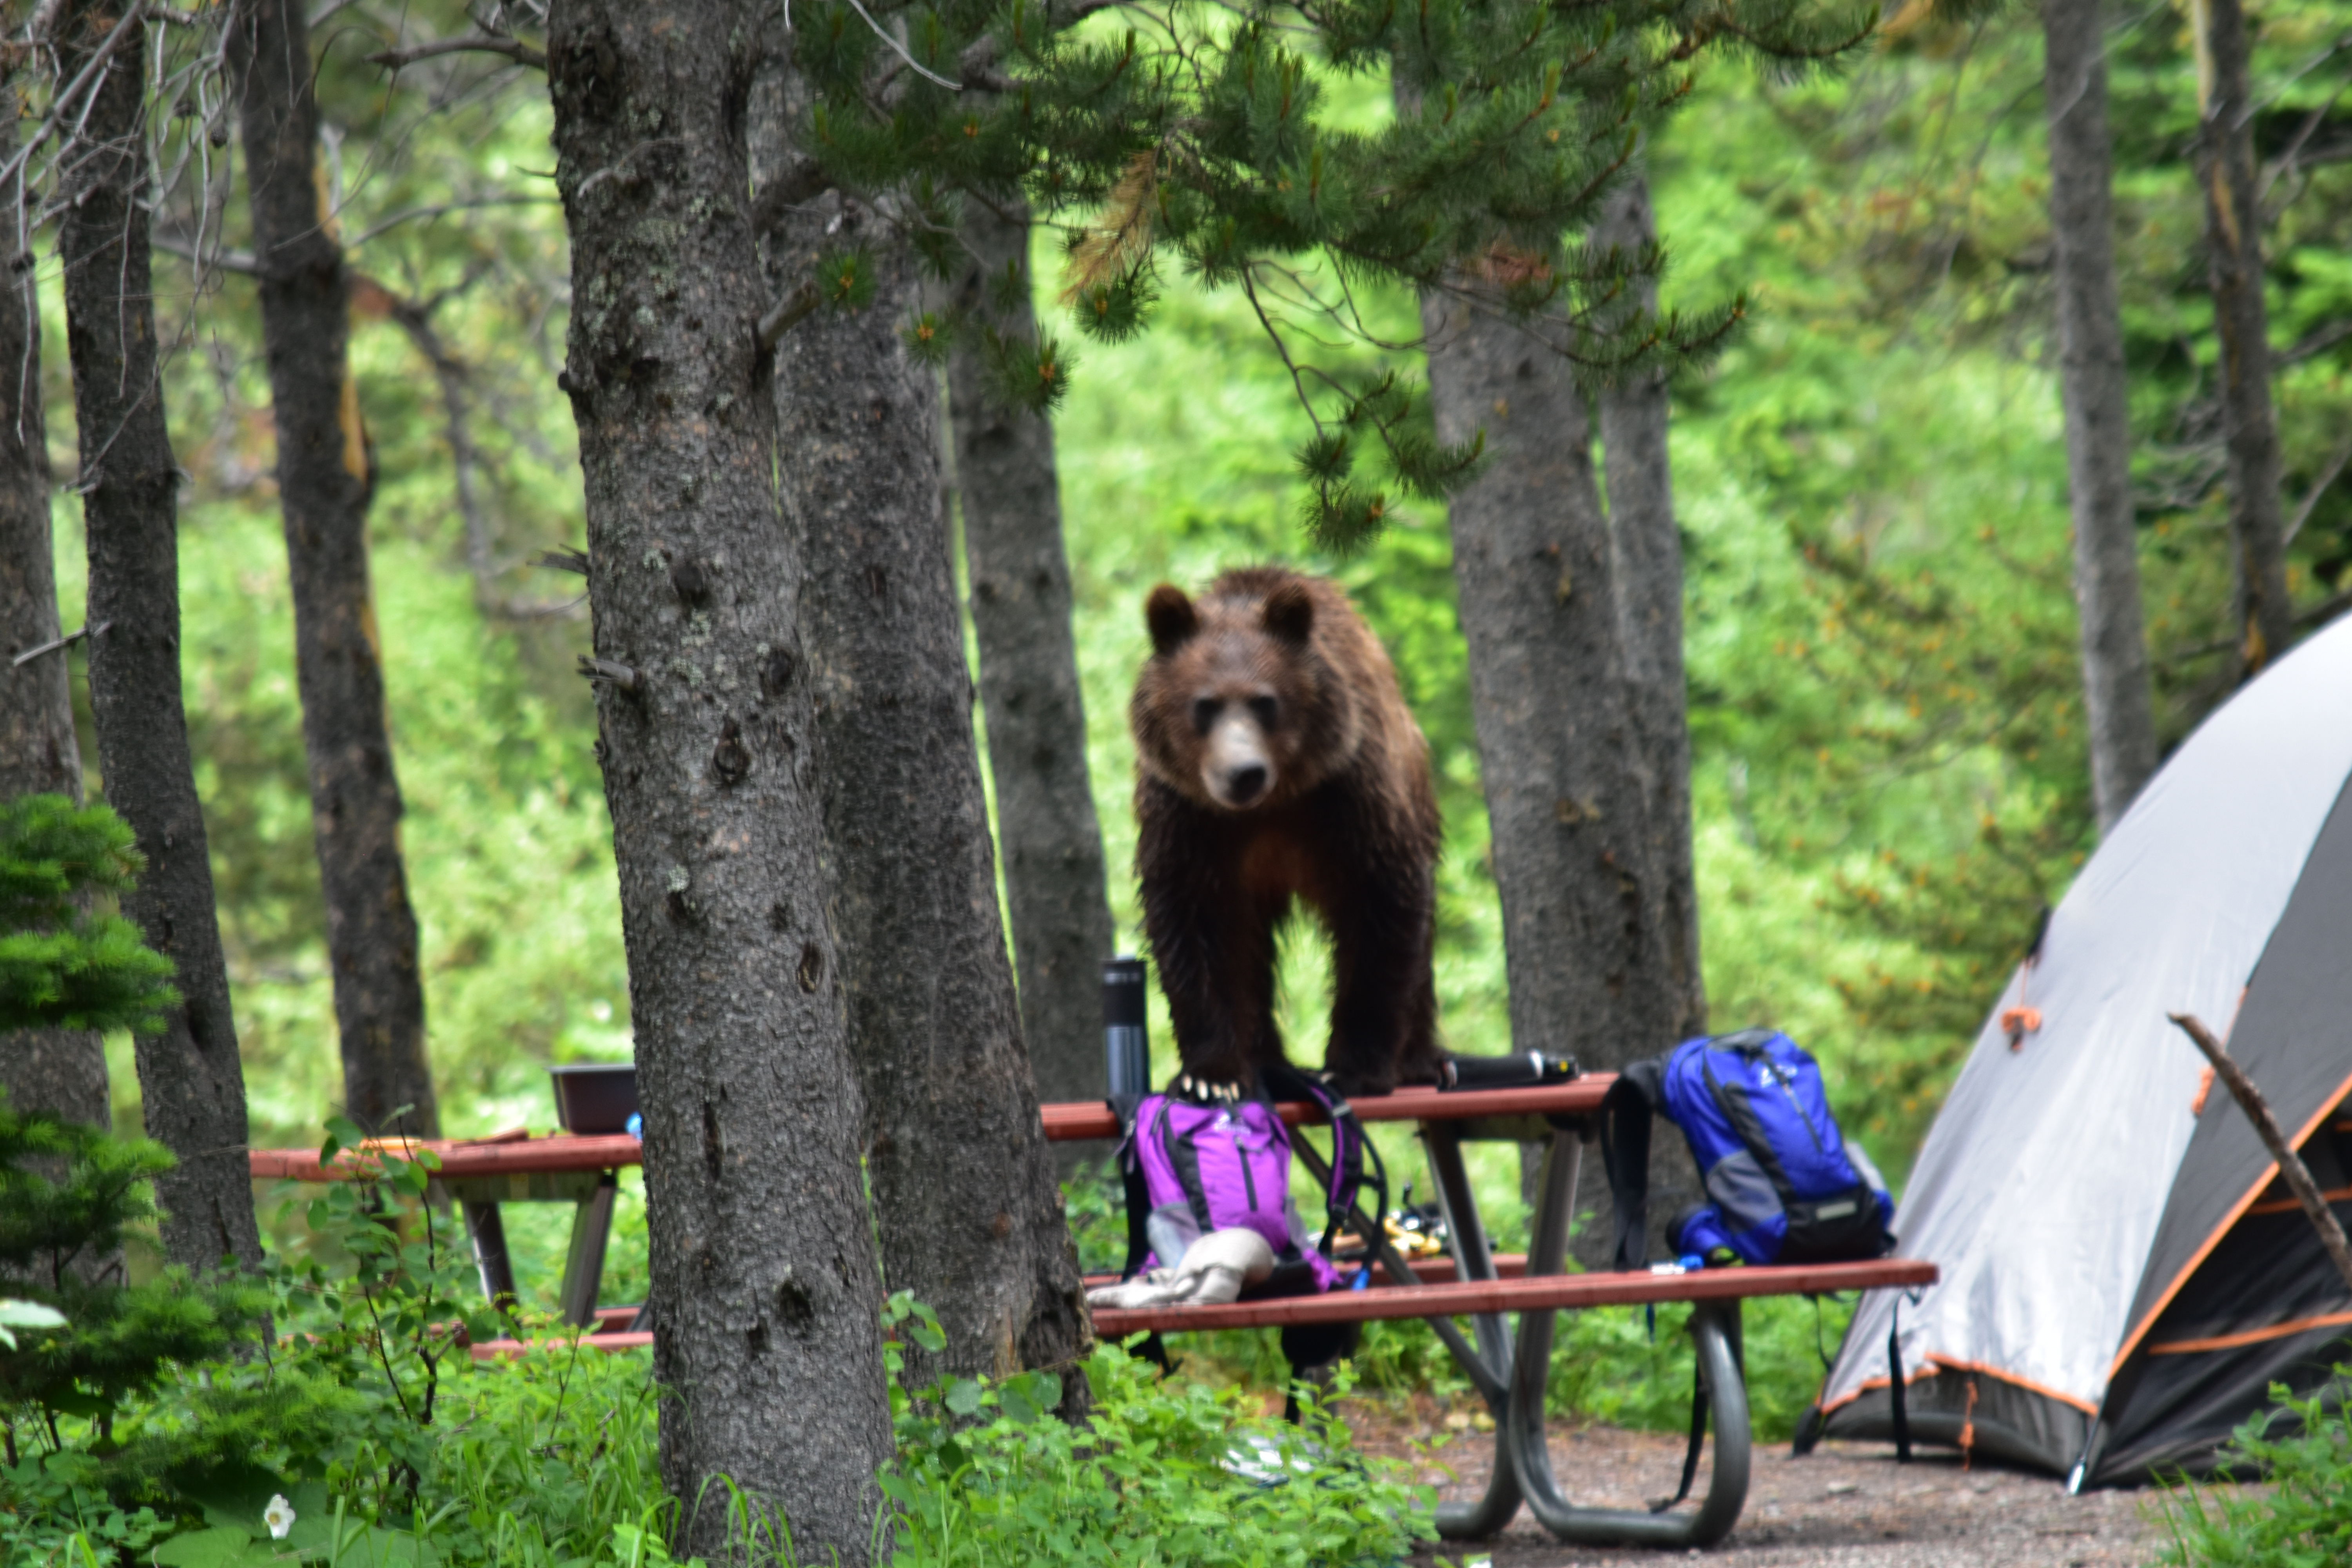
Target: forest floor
{"x":1845,"y":1505}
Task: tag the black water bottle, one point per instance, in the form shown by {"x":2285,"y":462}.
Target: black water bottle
{"x":1127,"y":1048}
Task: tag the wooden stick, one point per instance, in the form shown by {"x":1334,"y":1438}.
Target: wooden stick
{"x":2290,"y":1163}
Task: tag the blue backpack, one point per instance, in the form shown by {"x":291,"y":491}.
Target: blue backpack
{"x":1783,"y":1184}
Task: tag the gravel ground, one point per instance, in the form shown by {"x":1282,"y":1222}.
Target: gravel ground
{"x":1844,"y":1506}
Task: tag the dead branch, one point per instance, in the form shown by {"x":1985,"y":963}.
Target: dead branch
{"x":515,"y":49}
{"x":242,"y":262}
{"x":801,"y":182}
{"x":611,"y":673}
{"x":2311,"y":500}
{"x":71,"y":637}
{"x":575,"y":561}
{"x":2290,"y":1163}
{"x":64,"y":101}
{"x":788,"y":313}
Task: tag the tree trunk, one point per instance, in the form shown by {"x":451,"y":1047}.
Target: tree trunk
{"x":323,"y":484}
{"x":1046,"y":824}
{"x":765,"y":1295}
{"x":1646,"y":557}
{"x":2233,"y":247}
{"x":189,"y":1075}
{"x":964,"y":1191}
{"x":2115,"y":700}
{"x":1584,"y":906}
{"x":59,"y":1070}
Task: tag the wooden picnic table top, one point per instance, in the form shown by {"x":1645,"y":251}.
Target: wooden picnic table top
{"x":516,"y":1153}
{"x":1088,"y":1120}
{"x":504,"y":1154}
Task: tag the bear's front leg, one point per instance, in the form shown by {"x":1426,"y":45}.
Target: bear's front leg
{"x":1384,"y":1016}
{"x":1212,"y":946}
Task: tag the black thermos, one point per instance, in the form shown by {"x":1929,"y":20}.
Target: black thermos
{"x":1127,"y":1049}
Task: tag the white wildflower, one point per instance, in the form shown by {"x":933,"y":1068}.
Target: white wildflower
{"x":280,"y":1517}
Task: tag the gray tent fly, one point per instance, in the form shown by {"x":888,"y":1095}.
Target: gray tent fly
{"x":2123,"y":1274}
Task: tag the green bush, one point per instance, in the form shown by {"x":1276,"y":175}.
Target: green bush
{"x":2303,"y":1519}
{"x":1165,"y":1470}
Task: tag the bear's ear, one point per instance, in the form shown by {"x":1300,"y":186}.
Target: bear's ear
{"x":1290,"y":613}
{"x":1171,"y":618}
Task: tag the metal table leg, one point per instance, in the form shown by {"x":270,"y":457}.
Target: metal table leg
{"x":1473,"y":1260}
{"x":488,"y":1234}
{"x":1715,"y":1325}
{"x":584,"y":1266}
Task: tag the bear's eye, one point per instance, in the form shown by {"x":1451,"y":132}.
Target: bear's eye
{"x":1204,"y":714}
{"x":1263,"y":710}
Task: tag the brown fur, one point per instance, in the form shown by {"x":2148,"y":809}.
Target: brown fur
{"x":1346,"y":822}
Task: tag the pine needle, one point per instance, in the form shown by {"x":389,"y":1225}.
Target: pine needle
{"x":1122,"y":237}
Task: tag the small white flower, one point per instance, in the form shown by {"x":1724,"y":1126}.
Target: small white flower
{"x":280,"y":1517}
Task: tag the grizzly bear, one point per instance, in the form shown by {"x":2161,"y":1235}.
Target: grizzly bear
{"x":1275,"y":761}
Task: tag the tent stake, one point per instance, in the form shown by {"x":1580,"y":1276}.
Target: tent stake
{"x":2290,"y":1163}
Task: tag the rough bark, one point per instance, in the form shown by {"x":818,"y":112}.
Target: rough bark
{"x":2115,"y":698}
{"x":324,"y":480}
{"x":1046,"y":826}
{"x":2233,"y":249}
{"x":189,"y":1075}
{"x":1647,"y":562}
{"x":764,"y":1286}
{"x":965,"y":1195}
{"x":1584,"y":912}
{"x":59,"y":1070}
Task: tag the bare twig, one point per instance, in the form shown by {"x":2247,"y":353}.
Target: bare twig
{"x":71,"y":637}
{"x":887,"y":37}
{"x":515,"y":49}
{"x":575,"y":561}
{"x":2290,"y":1163}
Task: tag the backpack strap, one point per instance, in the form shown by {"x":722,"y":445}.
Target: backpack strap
{"x":1697,"y":1439}
{"x":1625,"y":1115}
{"x":1138,"y":1197}
{"x":1348,"y":1141}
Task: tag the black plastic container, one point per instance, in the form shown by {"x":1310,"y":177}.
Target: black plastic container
{"x":1126,"y":1050}
{"x":595,"y":1097}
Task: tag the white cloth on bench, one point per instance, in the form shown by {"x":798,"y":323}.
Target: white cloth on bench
{"x":1216,"y":1270}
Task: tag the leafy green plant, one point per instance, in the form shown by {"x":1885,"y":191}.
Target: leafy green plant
{"x":1162,"y":1471}
{"x":62,"y":965}
{"x":69,"y":1195}
{"x":2303,"y":1519}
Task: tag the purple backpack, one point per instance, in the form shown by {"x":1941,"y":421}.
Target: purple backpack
{"x":1196,"y":1161}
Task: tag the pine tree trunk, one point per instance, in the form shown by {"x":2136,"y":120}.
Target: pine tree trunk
{"x":965,"y":1197}
{"x":2233,"y":247}
{"x":323,"y":484}
{"x":59,"y":1070}
{"x":189,"y":1075}
{"x":2116,"y":699}
{"x":765,"y":1295}
{"x":1584,"y":910}
{"x":1647,"y":558}
{"x":1045,"y":823}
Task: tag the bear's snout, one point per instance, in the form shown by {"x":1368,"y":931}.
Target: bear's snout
{"x":1236,"y":770}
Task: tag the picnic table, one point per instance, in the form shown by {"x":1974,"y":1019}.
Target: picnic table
{"x":481,"y":1173}
{"x":1506,"y":1362}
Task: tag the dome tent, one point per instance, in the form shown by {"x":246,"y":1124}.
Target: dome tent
{"x":2123,"y":1274}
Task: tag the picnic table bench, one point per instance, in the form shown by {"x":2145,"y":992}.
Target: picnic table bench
{"x":1507,"y":1365}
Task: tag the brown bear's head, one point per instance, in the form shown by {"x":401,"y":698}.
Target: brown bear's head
{"x":1238,"y":708}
